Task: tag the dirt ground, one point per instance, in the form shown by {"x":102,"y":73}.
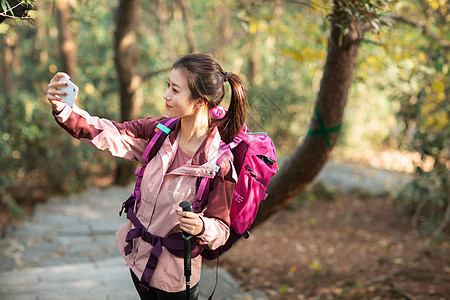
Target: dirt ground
{"x":330,"y":249}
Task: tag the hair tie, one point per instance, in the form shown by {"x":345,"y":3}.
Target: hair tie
{"x":227,"y":76}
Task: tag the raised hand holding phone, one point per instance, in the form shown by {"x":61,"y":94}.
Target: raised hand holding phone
{"x":71,"y":91}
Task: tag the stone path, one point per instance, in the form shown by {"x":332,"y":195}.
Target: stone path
{"x":358,"y":178}
{"x":67,"y":249}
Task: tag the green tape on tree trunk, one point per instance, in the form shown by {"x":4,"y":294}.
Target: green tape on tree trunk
{"x":323,"y":130}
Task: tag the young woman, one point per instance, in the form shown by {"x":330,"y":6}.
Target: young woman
{"x":194,"y":87}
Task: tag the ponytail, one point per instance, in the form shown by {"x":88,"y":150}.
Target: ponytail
{"x":233,"y":121}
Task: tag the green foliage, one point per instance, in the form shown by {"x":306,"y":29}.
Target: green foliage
{"x":12,"y":206}
{"x":368,"y":12}
{"x":422,"y":92}
{"x":36,"y":156}
{"x":288,"y":43}
{"x":8,"y":9}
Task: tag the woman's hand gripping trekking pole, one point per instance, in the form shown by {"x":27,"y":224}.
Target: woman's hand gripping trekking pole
{"x":187,"y":207}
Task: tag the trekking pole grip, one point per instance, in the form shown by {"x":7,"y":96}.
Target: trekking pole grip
{"x":186,"y":206}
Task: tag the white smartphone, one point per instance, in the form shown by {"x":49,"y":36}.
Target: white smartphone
{"x":71,"y":90}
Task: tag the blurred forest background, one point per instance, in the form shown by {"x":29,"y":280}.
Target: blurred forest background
{"x":398,"y":102}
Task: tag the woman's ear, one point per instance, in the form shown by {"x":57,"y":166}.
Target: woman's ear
{"x":201,"y":102}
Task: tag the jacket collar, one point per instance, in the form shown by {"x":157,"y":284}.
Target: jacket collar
{"x":210,"y":144}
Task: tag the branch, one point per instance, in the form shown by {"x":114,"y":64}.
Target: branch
{"x":236,"y":36}
{"x":425,"y":8}
{"x":10,"y":10}
{"x":402,"y":292}
{"x":308,"y":3}
{"x":372,"y":42}
{"x":419,"y":255}
{"x":441,"y":227}
{"x":149,"y":75}
{"x":416,"y":216}
{"x":425,"y":30}
{"x":18,"y":11}
{"x":4,"y":16}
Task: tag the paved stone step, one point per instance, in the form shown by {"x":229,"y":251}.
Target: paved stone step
{"x":107,"y":279}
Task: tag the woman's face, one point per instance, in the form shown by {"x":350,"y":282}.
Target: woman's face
{"x":178,"y":96}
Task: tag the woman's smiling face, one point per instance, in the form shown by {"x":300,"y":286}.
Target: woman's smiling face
{"x":178,"y":95}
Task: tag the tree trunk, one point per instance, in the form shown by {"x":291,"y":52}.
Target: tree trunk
{"x":40,"y":45}
{"x":6,"y":67}
{"x":187,"y":25}
{"x":223,"y":29}
{"x":131,"y":97}
{"x":67,"y":38}
{"x":162,"y":15}
{"x":311,"y":155}
{"x":253,"y":68}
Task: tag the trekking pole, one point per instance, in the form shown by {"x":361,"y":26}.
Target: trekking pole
{"x":186,"y":205}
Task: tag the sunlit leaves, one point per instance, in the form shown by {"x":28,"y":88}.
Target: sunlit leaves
{"x":367,"y":12}
{"x":435,"y":109}
{"x":17,"y":10}
{"x":421,"y":59}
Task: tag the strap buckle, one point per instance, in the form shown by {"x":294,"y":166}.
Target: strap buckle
{"x":127,"y":203}
{"x":148,"y":237}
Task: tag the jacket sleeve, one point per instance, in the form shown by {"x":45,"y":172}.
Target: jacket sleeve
{"x":126,"y":140}
{"x":216,"y":216}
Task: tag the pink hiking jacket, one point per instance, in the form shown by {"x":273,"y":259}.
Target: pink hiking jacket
{"x":161,"y":192}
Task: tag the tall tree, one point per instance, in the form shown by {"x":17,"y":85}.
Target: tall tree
{"x":309,"y":158}
{"x":187,"y":25}
{"x":160,"y":8}
{"x":67,"y":38}
{"x":125,"y":58}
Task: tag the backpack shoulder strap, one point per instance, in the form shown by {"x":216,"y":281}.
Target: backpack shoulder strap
{"x":158,"y":136}
{"x":204,"y":183}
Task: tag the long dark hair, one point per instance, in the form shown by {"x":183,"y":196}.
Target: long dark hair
{"x":206,"y":80}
